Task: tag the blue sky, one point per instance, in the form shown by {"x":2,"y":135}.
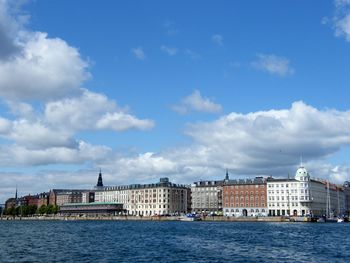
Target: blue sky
{"x":182,"y":89}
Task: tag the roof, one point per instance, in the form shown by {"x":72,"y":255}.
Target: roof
{"x":256,"y":180}
{"x":91,"y":204}
{"x":272,"y":180}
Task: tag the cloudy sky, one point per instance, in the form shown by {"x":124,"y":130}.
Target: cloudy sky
{"x":185,"y":90}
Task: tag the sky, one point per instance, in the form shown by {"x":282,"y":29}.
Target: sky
{"x":181,"y":89}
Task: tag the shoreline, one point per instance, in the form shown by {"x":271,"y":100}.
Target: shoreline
{"x":158,"y":218}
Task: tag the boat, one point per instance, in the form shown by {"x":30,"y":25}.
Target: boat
{"x":190,"y":218}
{"x":340,"y":220}
{"x":329,"y":217}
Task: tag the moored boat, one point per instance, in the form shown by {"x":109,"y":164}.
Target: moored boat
{"x":190,"y":218}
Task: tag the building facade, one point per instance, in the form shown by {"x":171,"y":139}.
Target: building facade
{"x":65,"y":196}
{"x":162,"y":198}
{"x":207,"y":197}
{"x":347,"y":197}
{"x":303,"y":196}
{"x":91,"y":209}
{"x":245,"y":197}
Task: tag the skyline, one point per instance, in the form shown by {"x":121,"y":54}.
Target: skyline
{"x":185,"y":90}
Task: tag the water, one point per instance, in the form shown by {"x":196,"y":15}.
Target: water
{"x":150,"y":241}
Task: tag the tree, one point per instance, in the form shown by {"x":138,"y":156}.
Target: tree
{"x":11,"y":211}
{"x":56,"y":209}
{"x":32,"y":209}
{"x":42,"y":209}
{"x":50,"y":209}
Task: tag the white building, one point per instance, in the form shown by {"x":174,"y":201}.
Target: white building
{"x":147,"y":199}
{"x":303,"y":196}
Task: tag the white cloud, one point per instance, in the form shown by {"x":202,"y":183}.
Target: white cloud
{"x":91,"y":111}
{"x":273,"y":64}
{"x":40,"y":83}
{"x":342,"y":27}
{"x":171,"y":51}
{"x":139,"y":53}
{"x":9,"y":26}
{"x":257,"y":143}
{"x":45,"y":69}
{"x":36,"y":135}
{"x":195,"y":102}
{"x":218,"y":40}
{"x":341,"y":19}
{"x":120,"y":121}
{"x":18,"y":155}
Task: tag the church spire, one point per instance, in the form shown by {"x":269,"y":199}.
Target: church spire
{"x":16,"y":196}
{"x":99,"y":180}
{"x":226,"y":177}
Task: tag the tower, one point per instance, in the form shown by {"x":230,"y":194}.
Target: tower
{"x":16,"y":197}
{"x":226,"y":177}
{"x":99,"y":180}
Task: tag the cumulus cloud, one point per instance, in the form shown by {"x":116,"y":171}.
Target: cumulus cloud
{"x":32,"y":65}
{"x":171,"y":51}
{"x":18,"y":155}
{"x":92,"y":111}
{"x":120,"y":121}
{"x":258,"y":143}
{"x":273,"y":64}
{"x":341,"y":19}
{"x":218,"y":40}
{"x":35,"y":135}
{"x":45,"y":69}
{"x":139,"y":53}
{"x":48,"y":138}
{"x":41,"y":84}
{"x":195,"y":102}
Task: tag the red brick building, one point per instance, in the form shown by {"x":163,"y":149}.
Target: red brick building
{"x":245,"y":197}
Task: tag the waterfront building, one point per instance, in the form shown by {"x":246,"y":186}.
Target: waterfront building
{"x":65,"y":196}
{"x":11,"y":202}
{"x":43,"y":199}
{"x":302,"y":195}
{"x":245,"y":197}
{"x":88,"y":197}
{"x":161,"y":198}
{"x":91,"y":209}
{"x":346,"y":188}
{"x":207,"y":197}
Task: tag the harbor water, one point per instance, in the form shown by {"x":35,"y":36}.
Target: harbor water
{"x":153,"y":241}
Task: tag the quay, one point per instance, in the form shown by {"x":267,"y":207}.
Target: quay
{"x":159,"y":218}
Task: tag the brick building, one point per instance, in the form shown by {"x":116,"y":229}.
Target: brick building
{"x":245,"y":197}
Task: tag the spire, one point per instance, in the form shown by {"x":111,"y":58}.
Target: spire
{"x":16,"y":197}
{"x":226,"y":177}
{"x":99,"y":180}
{"x":301,"y":161}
